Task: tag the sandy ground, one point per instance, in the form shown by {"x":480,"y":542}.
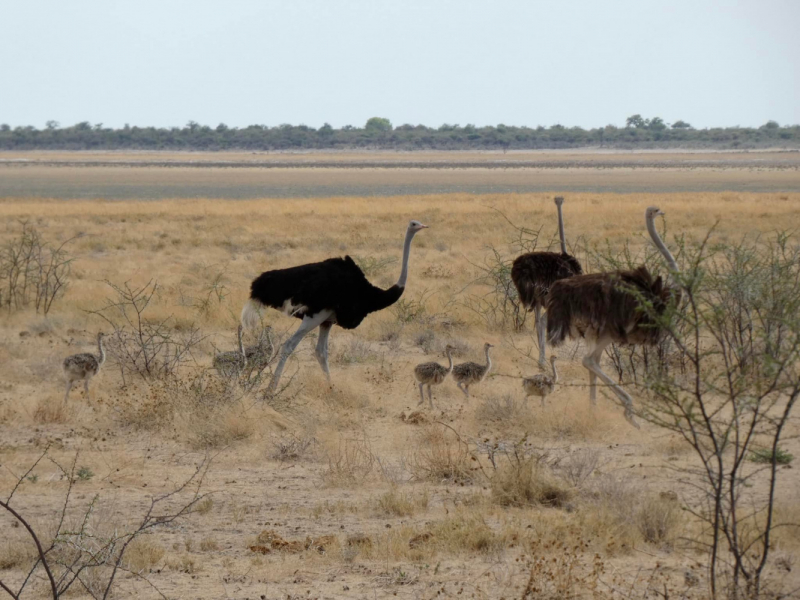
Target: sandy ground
{"x":361,"y":478}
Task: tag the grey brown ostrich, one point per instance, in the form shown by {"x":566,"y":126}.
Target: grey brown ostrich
{"x":84,"y":366}
{"x":469,"y":373}
{"x":541,"y":385}
{"x":432,"y":373}
{"x":233,"y":362}
{"x":620,"y":307}
{"x":535,"y":272}
{"x":323,"y":294}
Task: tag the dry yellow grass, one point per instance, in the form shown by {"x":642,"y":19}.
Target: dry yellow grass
{"x":140,"y":440}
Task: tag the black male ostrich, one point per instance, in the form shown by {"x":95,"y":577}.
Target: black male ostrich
{"x":535,"y":272}
{"x":607,"y":307}
{"x":321,"y":294}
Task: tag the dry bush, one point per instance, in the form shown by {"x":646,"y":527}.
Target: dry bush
{"x":393,"y":473}
{"x":625,"y":513}
{"x":143,"y":554}
{"x":510,"y":413}
{"x":579,"y":466}
{"x":561,"y":570}
{"x":430,"y":343}
{"x":658,"y":520}
{"x":526,"y":483}
{"x":401,"y":504}
{"x":390,"y":331}
{"x":290,"y":446}
{"x":426,"y":340}
{"x":85,"y":547}
{"x":140,"y":345}
{"x":206,"y":411}
{"x":204,"y":506}
{"x":33,"y":271}
{"x":220,"y":427}
{"x":350,"y":462}
{"x":183,"y":563}
{"x":16,"y":550}
{"x":51,"y":410}
{"x":569,"y":420}
{"x":501,"y":410}
{"x":441,"y":456}
{"x":209,"y":544}
{"x":356,"y":351}
{"x":408,"y":310}
{"x":465,"y":532}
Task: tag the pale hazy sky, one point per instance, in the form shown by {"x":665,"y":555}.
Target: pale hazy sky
{"x":242,"y":62}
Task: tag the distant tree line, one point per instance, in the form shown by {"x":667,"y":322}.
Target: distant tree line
{"x":378,"y":133}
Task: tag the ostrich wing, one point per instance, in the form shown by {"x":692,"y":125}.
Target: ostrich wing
{"x":535,"y":272}
{"x":607,"y":304}
{"x":336,"y":284}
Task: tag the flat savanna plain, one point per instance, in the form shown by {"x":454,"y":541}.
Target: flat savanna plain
{"x":379,"y":504}
{"x":236,"y":175}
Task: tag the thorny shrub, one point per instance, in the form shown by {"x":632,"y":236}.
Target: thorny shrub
{"x":138,"y":344}
{"x":441,"y":456}
{"x":33,"y":271}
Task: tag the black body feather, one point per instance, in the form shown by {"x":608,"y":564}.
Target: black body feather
{"x":608,"y":304}
{"x":534,"y":273}
{"x":336,"y":284}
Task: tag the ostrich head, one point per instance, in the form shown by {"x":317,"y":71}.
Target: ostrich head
{"x":653,"y":212}
{"x":487,"y":345}
{"x":559,"y":200}
{"x":416,"y":226}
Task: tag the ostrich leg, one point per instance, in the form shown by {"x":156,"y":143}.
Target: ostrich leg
{"x":430,"y":396}
{"x":421,"y":395}
{"x":306,"y":325}
{"x":69,"y":387}
{"x":591,"y":362}
{"x":322,"y":348}
{"x":540,"y":325}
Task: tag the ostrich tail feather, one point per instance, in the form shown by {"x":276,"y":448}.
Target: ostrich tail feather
{"x":251,"y":314}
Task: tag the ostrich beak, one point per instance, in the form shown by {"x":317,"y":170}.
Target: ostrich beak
{"x":421,"y":226}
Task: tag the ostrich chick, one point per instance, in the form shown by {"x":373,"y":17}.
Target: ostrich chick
{"x":469,"y":373}
{"x":541,"y":385}
{"x":432,"y":373}
{"x":82,"y":367}
{"x":233,"y":362}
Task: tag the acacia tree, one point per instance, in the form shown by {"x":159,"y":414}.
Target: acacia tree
{"x":738,"y":330}
{"x":80,"y":555}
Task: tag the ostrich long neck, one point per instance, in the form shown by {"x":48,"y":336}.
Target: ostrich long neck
{"x":401,"y":283}
{"x":555,"y":373}
{"x":651,"y":228}
{"x":488,"y":364}
{"x":450,"y":359}
{"x":101,"y":350}
{"x":561,"y":229}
